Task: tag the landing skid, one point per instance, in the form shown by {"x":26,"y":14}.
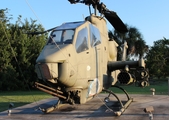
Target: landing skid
{"x":123,"y":107}
{"x":54,"y":107}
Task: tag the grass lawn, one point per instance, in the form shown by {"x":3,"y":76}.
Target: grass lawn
{"x":160,"y":86}
{"x":19,"y":98}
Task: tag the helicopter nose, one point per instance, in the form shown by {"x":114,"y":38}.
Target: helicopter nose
{"x":47,"y":70}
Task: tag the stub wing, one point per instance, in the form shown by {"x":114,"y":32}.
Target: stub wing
{"x":130,"y":71}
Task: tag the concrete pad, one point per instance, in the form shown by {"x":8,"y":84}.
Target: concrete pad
{"x":94,"y":109}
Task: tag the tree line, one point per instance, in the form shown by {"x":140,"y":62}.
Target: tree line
{"x":18,"y":51}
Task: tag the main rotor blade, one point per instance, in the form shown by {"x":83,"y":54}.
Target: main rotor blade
{"x":115,"y":21}
{"x":37,"y":33}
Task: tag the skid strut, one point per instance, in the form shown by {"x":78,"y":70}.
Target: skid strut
{"x":123,"y":107}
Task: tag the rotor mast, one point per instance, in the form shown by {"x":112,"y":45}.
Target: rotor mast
{"x":111,"y":16}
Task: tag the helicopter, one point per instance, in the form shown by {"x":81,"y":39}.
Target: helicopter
{"x":79,"y":60}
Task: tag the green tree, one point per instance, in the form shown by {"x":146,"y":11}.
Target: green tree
{"x":6,"y":68}
{"x":136,"y":45}
{"x":18,"y":52}
{"x":158,"y":58}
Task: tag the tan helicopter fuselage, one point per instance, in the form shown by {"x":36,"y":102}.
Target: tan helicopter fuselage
{"x":69,"y":68}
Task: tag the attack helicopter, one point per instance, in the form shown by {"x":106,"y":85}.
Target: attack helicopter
{"x":79,"y":60}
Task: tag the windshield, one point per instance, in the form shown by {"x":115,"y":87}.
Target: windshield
{"x":61,"y":37}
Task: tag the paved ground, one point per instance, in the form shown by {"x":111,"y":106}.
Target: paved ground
{"x":94,"y":109}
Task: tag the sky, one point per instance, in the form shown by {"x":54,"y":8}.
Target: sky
{"x":150,"y":17}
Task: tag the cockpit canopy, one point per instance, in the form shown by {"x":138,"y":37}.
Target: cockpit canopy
{"x":63,"y":34}
{"x":83,"y":33}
